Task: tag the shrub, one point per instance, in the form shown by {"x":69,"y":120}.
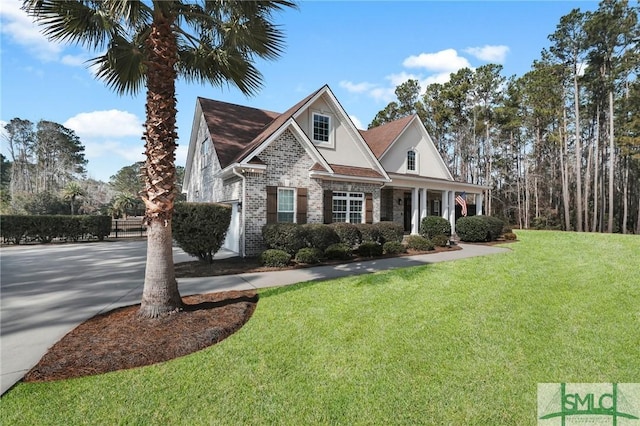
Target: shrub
{"x":370,"y":249}
{"x":47,"y":227}
{"x":320,"y":236}
{"x":510,"y":236}
{"x":98,"y":226}
{"x":495,"y":226}
{"x":390,"y":231}
{"x":473,"y":229}
{"x":338,"y":251}
{"x":348,"y":233}
{"x":369,"y":232}
{"x":394,"y":247}
{"x":275,"y":258}
{"x":200,"y":228}
{"x":435,"y":225}
{"x":309,"y":255}
{"x":419,"y":243}
{"x":15,"y":227}
{"x":440,"y":240}
{"x":289,"y":237}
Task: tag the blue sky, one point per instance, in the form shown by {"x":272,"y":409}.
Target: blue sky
{"x":362,"y":49}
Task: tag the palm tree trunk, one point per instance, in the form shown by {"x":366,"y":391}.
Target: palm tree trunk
{"x":160,"y":295}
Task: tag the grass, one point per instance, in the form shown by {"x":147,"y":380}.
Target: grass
{"x":463,"y":342}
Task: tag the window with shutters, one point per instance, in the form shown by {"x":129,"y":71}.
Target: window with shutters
{"x":286,"y":205}
{"x":348,"y":207}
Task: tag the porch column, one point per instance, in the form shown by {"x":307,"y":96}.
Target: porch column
{"x":423,"y":203}
{"x":415,"y":212}
{"x":452,"y":211}
{"x":479,"y":199}
{"x":444,"y":201}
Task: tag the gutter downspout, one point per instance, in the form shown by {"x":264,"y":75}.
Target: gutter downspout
{"x":242,"y":213}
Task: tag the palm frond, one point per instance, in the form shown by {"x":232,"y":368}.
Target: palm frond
{"x":122,"y":66}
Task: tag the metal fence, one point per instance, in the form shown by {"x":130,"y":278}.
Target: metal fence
{"x":128,"y":228}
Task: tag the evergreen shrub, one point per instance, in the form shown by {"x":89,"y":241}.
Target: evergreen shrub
{"x":275,"y":258}
{"x":200,"y":228}
{"x":419,"y":243}
{"x":370,"y":249}
{"x":440,"y":240}
{"x":473,"y":229}
{"x":495,"y":226}
{"x":390,"y":231}
{"x":320,"y":236}
{"x":289,"y":237}
{"x":510,"y":236}
{"x":369,"y":232}
{"x":435,"y":225}
{"x":348,"y":232}
{"x":393,"y":248}
{"x":309,"y":255}
{"x":338,"y":251}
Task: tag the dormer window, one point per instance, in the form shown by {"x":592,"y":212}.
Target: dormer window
{"x":321,"y":128}
{"x":411,"y":161}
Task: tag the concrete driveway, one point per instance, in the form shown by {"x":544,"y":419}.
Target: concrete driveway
{"x":48,"y":290}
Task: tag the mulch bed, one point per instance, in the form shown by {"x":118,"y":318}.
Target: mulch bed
{"x":119,"y":339}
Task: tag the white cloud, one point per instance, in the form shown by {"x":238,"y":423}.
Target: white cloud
{"x":443,"y":61}
{"x":74,"y":60}
{"x":356,"y":122}
{"x":20,"y":29}
{"x":487,"y":53}
{"x":384,"y":94}
{"x":105,"y":124}
{"x":440,"y":78}
{"x":356,"y":87}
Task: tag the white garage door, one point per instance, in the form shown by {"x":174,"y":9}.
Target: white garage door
{"x":232,"y":241}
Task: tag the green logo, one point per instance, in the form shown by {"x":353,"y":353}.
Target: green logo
{"x":614,"y":404}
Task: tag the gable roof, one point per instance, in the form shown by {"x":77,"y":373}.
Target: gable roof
{"x":382,"y":137}
{"x":233,"y":127}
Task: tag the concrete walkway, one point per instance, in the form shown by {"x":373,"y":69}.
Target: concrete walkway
{"x":46,"y":291}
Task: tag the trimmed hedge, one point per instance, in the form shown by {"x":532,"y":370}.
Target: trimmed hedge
{"x":370,"y":249}
{"x":45,"y":228}
{"x":369,"y":232}
{"x":288,"y":237}
{"x":394,"y":247}
{"x":200,"y":228}
{"x":473,"y":229}
{"x":320,"y":236}
{"x":338,"y":251}
{"x":435,"y":225}
{"x":419,"y":243}
{"x":348,"y":232}
{"x":495,"y":226}
{"x":275,"y":258}
{"x":308,"y":255}
{"x":390,"y":231}
{"x":440,"y":240}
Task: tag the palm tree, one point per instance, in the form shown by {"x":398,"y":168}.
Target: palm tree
{"x":123,"y":203}
{"x":150,"y":43}
{"x":71,"y":192}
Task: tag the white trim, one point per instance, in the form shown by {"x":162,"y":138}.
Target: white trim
{"x":330,"y":143}
{"x":348,"y":198}
{"x":316,"y":174}
{"x":294,"y":211}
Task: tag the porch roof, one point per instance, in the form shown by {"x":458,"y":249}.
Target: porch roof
{"x":412,"y":181}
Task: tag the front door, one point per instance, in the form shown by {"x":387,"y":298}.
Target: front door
{"x":408,"y":212}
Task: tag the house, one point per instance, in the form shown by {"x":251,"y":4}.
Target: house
{"x":311,"y":165}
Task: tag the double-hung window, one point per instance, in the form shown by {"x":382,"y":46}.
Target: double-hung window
{"x":204,"y":153}
{"x":411,"y":161}
{"x":321,"y":128}
{"x":286,"y":205}
{"x":348,"y":207}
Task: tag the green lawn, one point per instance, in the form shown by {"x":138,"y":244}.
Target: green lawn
{"x":462,"y":342}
